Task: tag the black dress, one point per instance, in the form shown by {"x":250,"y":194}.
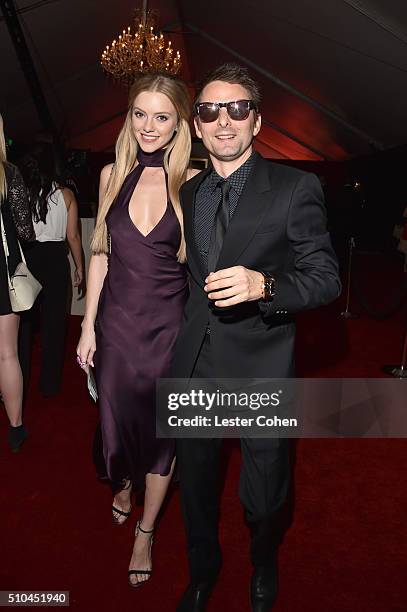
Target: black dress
{"x":17,"y":226}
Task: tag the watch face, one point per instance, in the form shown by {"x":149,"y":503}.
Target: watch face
{"x":269,"y":287}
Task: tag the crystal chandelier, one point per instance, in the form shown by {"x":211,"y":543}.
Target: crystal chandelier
{"x":143,"y":50}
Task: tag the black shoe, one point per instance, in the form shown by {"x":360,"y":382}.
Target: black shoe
{"x":120,"y":516}
{"x":16,"y":437}
{"x":146,"y":572}
{"x":263,"y":588}
{"x":196,"y":597}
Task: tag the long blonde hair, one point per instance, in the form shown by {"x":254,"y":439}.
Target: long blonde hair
{"x":3,"y":159}
{"x":176,"y":157}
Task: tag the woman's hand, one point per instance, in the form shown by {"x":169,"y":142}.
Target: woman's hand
{"x":86,"y":347}
{"x":78,"y":277}
{"x":80,"y":283}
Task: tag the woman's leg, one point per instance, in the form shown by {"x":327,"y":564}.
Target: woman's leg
{"x":11,"y":380}
{"x":156,"y":489}
{"x":25,"y":344}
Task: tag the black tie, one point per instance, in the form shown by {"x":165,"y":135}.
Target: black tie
{"x":219,"y":227}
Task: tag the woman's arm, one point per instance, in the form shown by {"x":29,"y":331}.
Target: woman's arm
{"x":87,"y":342}
{"x":73,"y":235}
{"x":96,"y":276}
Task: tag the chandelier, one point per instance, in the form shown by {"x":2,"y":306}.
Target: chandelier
{"x":143,"y":50}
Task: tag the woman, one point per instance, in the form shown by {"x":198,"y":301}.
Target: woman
{"x":55,"y":215}
{"x":136,"y":293}
{"x":17,"y":225}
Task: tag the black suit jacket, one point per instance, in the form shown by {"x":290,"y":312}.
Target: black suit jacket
{"x":279,"y":226}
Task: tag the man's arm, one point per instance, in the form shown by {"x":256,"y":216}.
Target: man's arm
{"x":314,"y":280}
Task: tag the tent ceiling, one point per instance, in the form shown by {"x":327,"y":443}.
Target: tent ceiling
{"x":333,"y":73}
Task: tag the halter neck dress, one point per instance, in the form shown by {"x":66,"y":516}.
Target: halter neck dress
{"x":139,"y":314}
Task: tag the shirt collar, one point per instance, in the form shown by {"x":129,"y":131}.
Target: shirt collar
{"x":237,"y":179}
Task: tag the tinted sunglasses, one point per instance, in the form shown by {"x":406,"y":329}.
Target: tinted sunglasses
{"x":237,"y":110}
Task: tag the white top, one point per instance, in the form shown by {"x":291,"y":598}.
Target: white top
{"x":54,"y":230}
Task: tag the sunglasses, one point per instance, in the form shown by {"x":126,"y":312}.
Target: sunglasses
{"x":238,"y":110}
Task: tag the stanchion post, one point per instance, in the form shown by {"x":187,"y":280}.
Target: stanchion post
{"x":346,"y":314}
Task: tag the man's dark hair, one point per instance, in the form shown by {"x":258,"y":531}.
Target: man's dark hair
{"x":234,"y":74}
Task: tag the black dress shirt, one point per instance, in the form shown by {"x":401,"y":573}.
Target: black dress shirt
{"x":208,"y":198}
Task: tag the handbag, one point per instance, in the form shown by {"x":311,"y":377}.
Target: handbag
{"x":23,"y":286}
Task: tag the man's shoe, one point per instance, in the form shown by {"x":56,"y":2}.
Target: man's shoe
{"x":196,"y":597}
{"x":263,"y":588}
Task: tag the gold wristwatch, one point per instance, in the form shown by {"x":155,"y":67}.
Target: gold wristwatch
{"x":268,"y":287}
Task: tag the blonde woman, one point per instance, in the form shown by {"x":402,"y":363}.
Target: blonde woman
{"x":137,"y":288}
{"x":17,"y":225}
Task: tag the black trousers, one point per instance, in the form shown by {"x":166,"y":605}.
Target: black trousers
{"x":49,"y":263}
{"x":263,"y":489}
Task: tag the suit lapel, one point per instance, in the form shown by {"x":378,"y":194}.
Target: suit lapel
{"x":194,"y":258}
{"x":249,"y":214}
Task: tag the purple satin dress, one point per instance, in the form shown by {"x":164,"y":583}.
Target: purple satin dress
{"x":138,"y":318}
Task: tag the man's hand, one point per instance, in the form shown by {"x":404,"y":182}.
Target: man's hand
{"x":233,"y":286}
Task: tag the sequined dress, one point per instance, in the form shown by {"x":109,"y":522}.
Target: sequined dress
{"x":17,"y":225}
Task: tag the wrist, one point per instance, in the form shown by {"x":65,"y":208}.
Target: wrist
{"x":88,"y":324}
{"x":260,"y":286}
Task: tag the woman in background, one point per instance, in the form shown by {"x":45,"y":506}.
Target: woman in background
{"x":17,"y":224}
{"x":136,"y":293}
{"x":55,"y":217}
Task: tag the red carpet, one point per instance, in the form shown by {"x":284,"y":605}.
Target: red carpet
{"x":346,"y":550}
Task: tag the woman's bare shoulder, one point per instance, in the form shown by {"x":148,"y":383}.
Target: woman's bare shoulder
{"x":191,"y":172}
{"x":106,"y":171}
{"x":66,"y":192}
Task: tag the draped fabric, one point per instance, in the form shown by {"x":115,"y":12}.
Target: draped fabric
{"x":139,"y":314}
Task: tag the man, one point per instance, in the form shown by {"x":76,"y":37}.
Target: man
{"x":258,"y":252}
